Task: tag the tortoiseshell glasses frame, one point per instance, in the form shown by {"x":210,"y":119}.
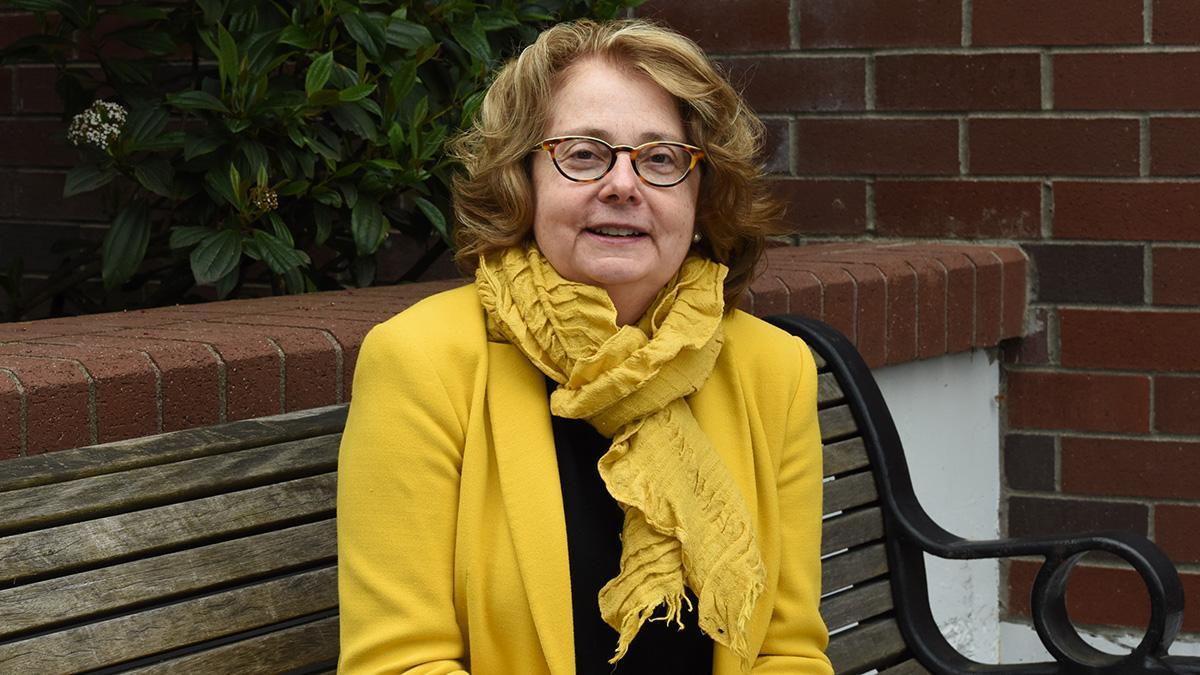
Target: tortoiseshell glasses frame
{"x":676,"y":160}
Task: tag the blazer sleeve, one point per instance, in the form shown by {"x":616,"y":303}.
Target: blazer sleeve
{"x":398,"y":479}
{"x":796,"y":637}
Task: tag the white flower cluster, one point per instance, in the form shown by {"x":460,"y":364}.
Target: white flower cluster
{"x":99,"y":125}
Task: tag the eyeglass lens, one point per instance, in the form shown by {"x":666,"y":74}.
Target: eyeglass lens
{"x":587,"y":159}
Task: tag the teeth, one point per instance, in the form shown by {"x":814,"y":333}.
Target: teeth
{"x":616,"y":231}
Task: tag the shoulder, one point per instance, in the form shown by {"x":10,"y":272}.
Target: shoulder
{"x":756,"y":344}
{"x":446,"y":327}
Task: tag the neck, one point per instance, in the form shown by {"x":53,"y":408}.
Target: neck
{"x":631,"y":303}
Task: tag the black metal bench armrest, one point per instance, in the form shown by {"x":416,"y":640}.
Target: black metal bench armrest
{"x":911,"y":533}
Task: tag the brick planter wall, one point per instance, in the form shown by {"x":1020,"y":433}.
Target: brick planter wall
{"x":71,"y":382}
{"x":1067,"y":126}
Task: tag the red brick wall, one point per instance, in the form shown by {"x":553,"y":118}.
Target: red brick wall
{"x":1069,"y":126}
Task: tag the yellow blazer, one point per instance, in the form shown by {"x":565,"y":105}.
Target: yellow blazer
{"x":452,"y":548}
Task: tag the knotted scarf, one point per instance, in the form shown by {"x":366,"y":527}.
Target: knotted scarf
{"x":685,"y":521}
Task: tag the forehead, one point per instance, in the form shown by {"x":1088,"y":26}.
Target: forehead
{"x":599,"y":95}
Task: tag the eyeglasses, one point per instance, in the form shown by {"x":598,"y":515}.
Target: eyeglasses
{"x":584,"y":159}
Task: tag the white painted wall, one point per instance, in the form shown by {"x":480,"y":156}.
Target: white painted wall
{"x":948,"y":418}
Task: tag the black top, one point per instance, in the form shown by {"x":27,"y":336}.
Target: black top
{"x":594,"y":523}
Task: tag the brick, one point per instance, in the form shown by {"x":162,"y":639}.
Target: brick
{"x":777,"y":146}
{"x":837,"y":296}
{"x":1175,"y":528}
{"x":880,"y":23}
{"x":1174,"y":146}
{"x":6,"y":89}
{"x":38,"y":195}
{"x":1056,"y":22}
{"x":35,"y":142}
{"x":901,"y":310}
{"x":824,"y":206}
{"x":1127,"y":211}
{"x":10,"y":416}
{"x":848,"y":146}
{"x":126,"y":391}
{"x":960,"y":294}
{"x":788,"y":84}
{"x":1054,"y":146}
{"x":1036,"y":516}
{"x":1129,"y":340}
{"x":1131,"y":468}
{"x":760,"y":24}
{"x":1109,"y":274}
{"x":1042,"y":400}
{"x":1029,"y":462}
{"x":959,"y":209}
{"x":1176,"y":402}
{"x":1168,"y":81}
{"x":1034,"y":348}
{"x":35,"y":90}
{"x":57,"y":411}
{"x":18,"y":25}
{"x":989,"y":297}
{"x":1176,"y":22}
{"x":1176,"y":275}
{"x":871,"y":316}
{"x":1015,"y":266}
{"x":958,"y":82}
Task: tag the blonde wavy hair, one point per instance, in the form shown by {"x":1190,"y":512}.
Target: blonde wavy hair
{"x":493,"y":197}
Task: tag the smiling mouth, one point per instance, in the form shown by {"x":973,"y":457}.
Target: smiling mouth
{"x":624,"y":232}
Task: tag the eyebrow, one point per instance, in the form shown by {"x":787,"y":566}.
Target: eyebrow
{"x":645,"y":137}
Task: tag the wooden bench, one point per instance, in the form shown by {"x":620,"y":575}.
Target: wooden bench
{"x":213,"y":550}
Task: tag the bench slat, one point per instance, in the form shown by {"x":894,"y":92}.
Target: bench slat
{"x":71,"y":547}
{"x":857,"y":604}
{"x":829,"y":392}
{"x":909,"y":667}
{"x":140,"y":582}
{"x":851,"y":529}
{"x":134,"y":636}
{"x":852,"y":567}
{"x":869,"y":645}
{"x":845,"y":456}
{"x":849,"y":491}
{"x":836,"y":422}
{"x":48,"y":505}
{"x":64,"y":465}
{"x":294,"y":647}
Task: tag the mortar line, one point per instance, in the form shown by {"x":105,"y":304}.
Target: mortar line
{"x":1148,"y":21}
{"x":1046,"y":68}
{"x":869,"y":83}
{"x":968,"y":22}
{"x":794,"y":24}
{"x":339,"y":367}
{"x":1144,"y":146}
{"x":282,"y":374}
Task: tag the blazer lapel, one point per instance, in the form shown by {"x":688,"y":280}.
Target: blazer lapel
{"x":520,"y":419}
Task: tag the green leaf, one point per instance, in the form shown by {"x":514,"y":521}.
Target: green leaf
{"x":357,"y":121}
{"x":217,"y":255}
{"x":329,"y":198}
{"x":279,"y":256}
{"x":86,"y":178}
{"x":213,"y":10}
{"x":228,"y":62}
{"x":324,"y":98}
{"x":318,"y":73}
{"x":297,"y":36}
{"x":473,"y":39}
{"x":358,"y":91}
{"x":403,"y":81}
{"x":198,"y":146}
{"x":407,"y":35}
{"x":197,"y":100}
{"x":388,"y":164}
{"x":367,"y":30}
{"x":152,"y":41}
{"x":282,"y":233}
{"x":419,"y":112}
{"x":292,"y":188}
{"x":186,"y":236}
{"x":471,"y":107}
{"x":218,"y":182}
{"x":156,"y":175}
{"x":323,"y":219}
{"x":144,"y":124}
{"x":125,"y":244}
{"x":227,"y":283}
{"x":435,"y":216}
{"x":257,"y":156}
{"x":170,"y":140}
{"x":349,"y":193}
{"x":368,"y":226}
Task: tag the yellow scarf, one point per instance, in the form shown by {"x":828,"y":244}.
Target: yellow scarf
{"x":685,"y":521}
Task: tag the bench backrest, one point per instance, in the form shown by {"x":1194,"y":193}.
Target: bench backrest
{"x":214,"y":550}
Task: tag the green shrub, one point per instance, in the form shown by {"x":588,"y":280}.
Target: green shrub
{"x":281,"y":139}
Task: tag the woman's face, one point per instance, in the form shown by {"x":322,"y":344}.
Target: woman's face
{"x":649,"y":229}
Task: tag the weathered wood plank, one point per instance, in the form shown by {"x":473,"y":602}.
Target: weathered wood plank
{"x":65,"y":465}
{"x":849,"y":491}
{"x":296,"y":647}
{"x":845,"y":456}
{"x":829,"y":392}
{"x":139,"y":582}
{"x":173,"y":626}
{"x":836,"y":422}
{"x":48,"y":505}
{"x":909,"y":667}
{"x":857,"y":604}
{"x":849,"y":530}
{"x":866,"y":646}
{"x":68,"y":548}
{"x":852,"y":567}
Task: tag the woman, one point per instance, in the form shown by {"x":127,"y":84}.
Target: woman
{"x":538,"y":466}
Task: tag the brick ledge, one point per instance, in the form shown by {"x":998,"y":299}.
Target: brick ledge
{"x":76,"y":381}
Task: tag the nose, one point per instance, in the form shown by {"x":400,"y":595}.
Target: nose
{"x":622,"y":184}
